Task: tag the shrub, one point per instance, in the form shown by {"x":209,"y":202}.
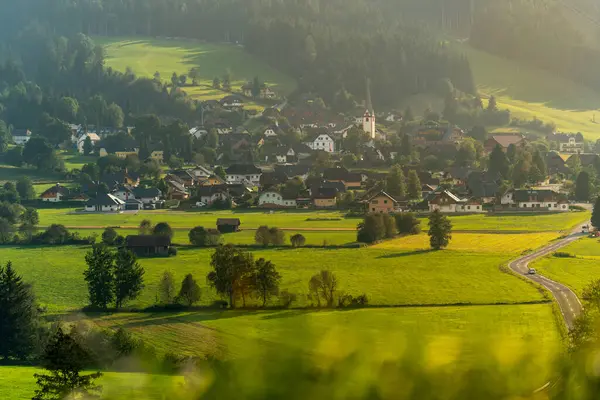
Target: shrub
{"x":563,"y":254}
{"x":172,"y":251}
{"x":109,"y":236}
{"x":163,"y":229}
{"x":407,"y":223}
{"x":298,"y":240}
{"x":375,"y":227}
{"x":265,"y":236}
{"x":219,"y":304}
{"x":201,"y":237}
{"x":287,"y":298}
{"x":277,"y":236}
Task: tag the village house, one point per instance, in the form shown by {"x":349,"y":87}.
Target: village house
{"x":272,"y":131}
{"x":120,"y":178}
{"x":556,"y":164}
{"x":94,"y":138}
{"x":265,"y":91}
{"x":158,"y":156}
{"x":232,"y":102}
{"x":228,"y":225}
{"x":212,"y":180}
{"x":568,"y":143}
{"x":55,"y":194}
{"x":351,"y":180}
{"x":201,"y":172}
{"x":272,"y":199}
{"x":209,"y":194}
{"x":105,"y":202}
{"x":534,"y":200}
{"x":238,"y":173}
{"x":447,"y":202}
{"x":382,"y":203}
{"x":21,"y":136}
{"x":176,"y":190}
{"x":148,"y":245}
{"x":133,"y":204}
{"x":149,"y":195}
{"x":322,"y":142}
{"x":198,"y":132}
{"x":504,"y":140}
{"x":325,"y":198}
{"x":186,"y":176}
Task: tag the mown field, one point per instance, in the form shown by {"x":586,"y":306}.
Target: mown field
{"x":434,"y":338}
{"x":387,"y":276}
{"x":145,"y":56}
{"x":577,"y":272}
{"x":530,"y":92}
{"x":328,"y":220}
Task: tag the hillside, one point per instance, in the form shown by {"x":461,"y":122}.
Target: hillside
{"x":532,"y":92}
{"x":147,"y":56}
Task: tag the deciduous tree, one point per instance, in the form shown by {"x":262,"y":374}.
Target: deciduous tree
{"x":99,"y":276}
{"x":265,"y":280}
{"x":440,"y":230}
{"x":413,"y":188}
{"x":395,"y":184}
{"x":231,"y":269}
{"x":129,"y":277}
{"x":190,"y":291}
{"x":166,"y":288}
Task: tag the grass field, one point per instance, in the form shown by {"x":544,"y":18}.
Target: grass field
{"x":18,"y":383}
{"x":147,"y":56}
{"x":476,"y":242}
{"x":435,"y":338}
{"x":531,"y":92}
{"x":388,"y":277}
{"x":578,"y":272}
{"x":306,"y":220}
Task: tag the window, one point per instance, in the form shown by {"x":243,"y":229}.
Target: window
{"x":468,"y":207}
{"x":373,"y":210}
{"x":385,"y":202}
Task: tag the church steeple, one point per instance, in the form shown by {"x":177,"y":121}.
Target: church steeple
{"x":369,"y":116}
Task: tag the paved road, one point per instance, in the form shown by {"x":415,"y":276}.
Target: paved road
{"x":569,"y":303}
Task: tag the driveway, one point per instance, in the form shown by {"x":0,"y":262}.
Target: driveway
{"x":569,"y":303}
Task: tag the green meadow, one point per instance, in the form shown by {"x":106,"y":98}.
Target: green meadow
{"x":530,"y":92}
{"x":312,"y":220}
{"x":145,"y":56}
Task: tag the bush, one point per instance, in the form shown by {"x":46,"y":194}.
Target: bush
{"x":172,"y":251}
{"x":407,"y":223}
{"x":219,"y":304}
{"x":163,"y":229}
{"x":287,"y":298}
{"x":265,"y":236}
{"x":347,"y":300}
{"x":298,"y":240}
{"x":375,"y":227}
{"x":563,"y":254}
{"x":574,"y":207}
{"x":109,"y":236}
{"x":201,"y":237}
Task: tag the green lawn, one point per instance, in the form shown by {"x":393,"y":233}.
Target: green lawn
{"x":305,"y":220}
{"x":531,"y":92}
{"x":145,"y":56}
{"x":578,"y":272}
{"x":10,"y":173}
{"x":388,"y":277}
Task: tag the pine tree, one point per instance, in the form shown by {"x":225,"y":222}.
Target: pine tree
{"x":88,"y":146}
{"x":100,"y":276}
{"x":492,"y":104}
{"x":64,"y":359}
{"x":440,"y":230}
{"x":499,"y":162}
{"x":18,"y":316}
{"x":414,"y":185}
{"x":129,"y":277}
{"x":596,"y":214}
{"x":395,"y":183}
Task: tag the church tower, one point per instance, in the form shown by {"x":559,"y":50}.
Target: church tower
{"x":369,"y":116}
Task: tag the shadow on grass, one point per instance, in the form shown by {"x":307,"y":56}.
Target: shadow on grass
{"x":408,"y":254}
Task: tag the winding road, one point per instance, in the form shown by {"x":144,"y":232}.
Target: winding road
{"x":569,"y":303}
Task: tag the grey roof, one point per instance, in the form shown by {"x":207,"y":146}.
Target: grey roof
{"x":105,"y":199}
{"x":523,"y":195}
{"x":146,"y":192}
{"x":147,"y":241}
{"x":228,"y":221}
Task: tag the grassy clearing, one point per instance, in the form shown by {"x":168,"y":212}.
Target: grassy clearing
{"x":476,"y":242}
{"x":18,"y":383}
{"x":305,"y":220}
{"x":531,"y":92}
{"x":388,"y":277}
{"x":578,"y":272}
{"x":10,"y":173}
{"x":146,"y":56}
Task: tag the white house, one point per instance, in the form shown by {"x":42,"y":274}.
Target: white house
{"x":534,"y":200}
{"x":571,"y":145}
{"x":55,"y":194}
{"x":284,"y":156}
{"x":271,"y":131}
{"x":322,"y":142}
{"x":448,"y":202}
{"x":273,"y":199}
{"x":240,"y":173}
{"x":105,"y":203}
{"x":21,"y":136}
{"x":147,"y":195}
{"x":81,"y":140}
{"x":198,"y":132}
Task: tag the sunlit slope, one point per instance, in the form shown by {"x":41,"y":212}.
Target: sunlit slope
{"x":531,"y":92}
{"x":145,"y":56}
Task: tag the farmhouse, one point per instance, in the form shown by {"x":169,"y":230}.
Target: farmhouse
{"x":133,"y":204}
{"x":534,"y":200}
{"x":228,"y":225}
{"x":21,"y":136}
{"x":55,"y":194}
{"x":105,"y":203}
{"x":148,"y":245}
{"x":349,"y":179}
{"x":504,"y":140}
{"x":325,"y":198}
{"x":447,"y":202}
{"x":322,"y":142}
{"x":382,"y":203}
{"x":239,"y":173}
{"x":201,"y":172}
{"x":147,"y":195}
{"x":187,"y":177}
{"x":265,"y":91}
{"x":568,"y":143}
{"x":209,"y":194}
{"x":272,"y":199}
